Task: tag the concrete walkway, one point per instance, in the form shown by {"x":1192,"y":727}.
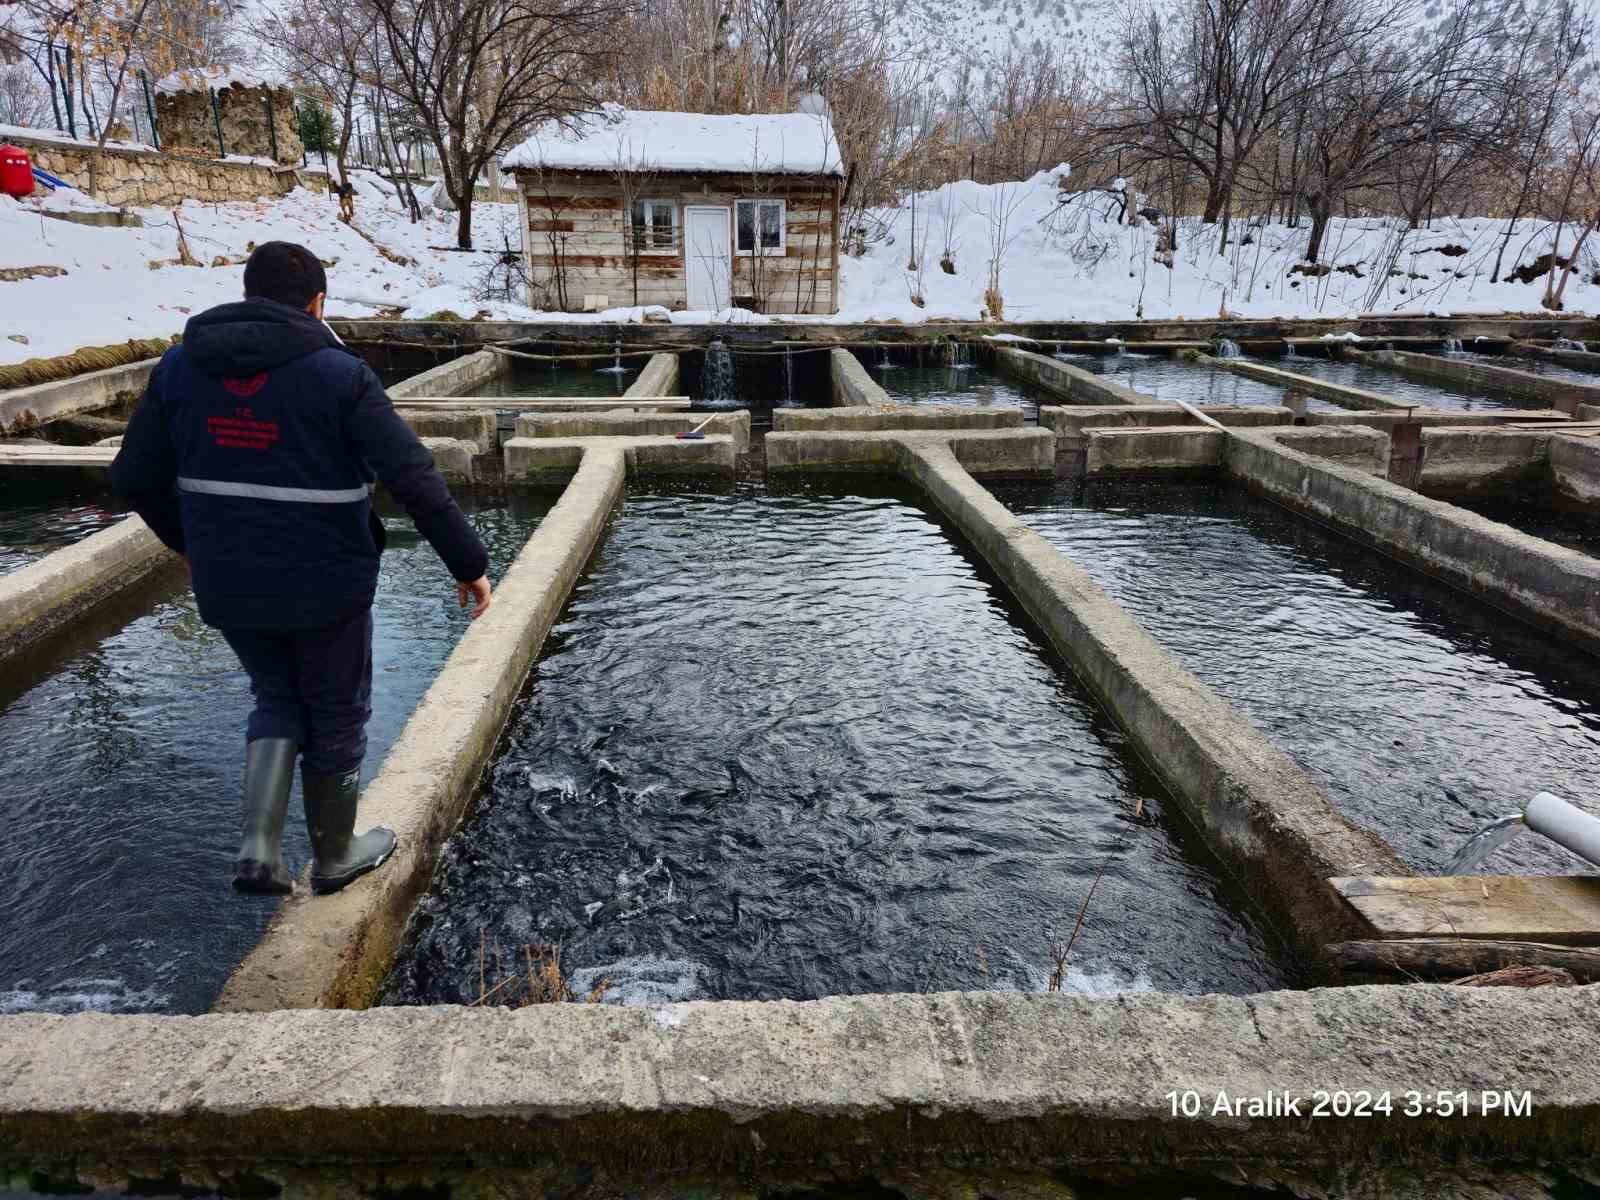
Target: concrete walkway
{"x":863,"y":1085}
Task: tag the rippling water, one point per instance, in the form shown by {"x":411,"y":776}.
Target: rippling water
{"x":797,"y":745}
{"x":1537,"y":516}
{"x":1535,"y":366}
{"x":1407,"y":389}
{"x":976,"y":387}
{"x":37,"y":520}
{"x":1425,"y":713}
{"x":121,"y":795}
{"x":1168,"y":378}
{"x":533,"y":380}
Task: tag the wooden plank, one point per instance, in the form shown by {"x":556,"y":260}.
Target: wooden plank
{"x":57,"y":456}
{"x":551,"y":227}
{"x":1453,"y":958}
{"x":556,"y":203}
{"x":616,"y":262}
{"x":1562,"y":909}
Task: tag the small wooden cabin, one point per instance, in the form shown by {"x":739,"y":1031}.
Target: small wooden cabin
{"x":685,"y":210}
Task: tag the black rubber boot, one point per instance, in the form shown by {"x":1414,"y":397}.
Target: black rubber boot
{"x":339,"y":855}
{"x":268,"y":775}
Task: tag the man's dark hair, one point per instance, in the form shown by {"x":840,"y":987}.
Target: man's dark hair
{"x":284,"y":272}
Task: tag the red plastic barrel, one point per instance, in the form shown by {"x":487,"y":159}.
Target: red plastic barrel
{"x":16,"y":172}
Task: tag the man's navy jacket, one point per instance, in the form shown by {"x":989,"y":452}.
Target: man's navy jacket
{"x":251,"y":453}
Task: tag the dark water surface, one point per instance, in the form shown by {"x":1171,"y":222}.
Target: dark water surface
{"x":533,"y":380}
{"x":34,"y":520}
{"x":1169,"y":378}
{"x":971,"y":386}
{"x":1425,"y":713}
{"x":121,"y":794}
{"x":1396,"y":385}
{"x":798,"y":745}
{"x":1531,"y":365}
{"x":1537,"y":516}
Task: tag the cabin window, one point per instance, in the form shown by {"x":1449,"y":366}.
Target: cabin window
{"x":759,"y":227}
{"x":655,"y":229}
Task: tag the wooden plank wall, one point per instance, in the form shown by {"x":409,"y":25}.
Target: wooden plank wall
{"x":575,"y":222}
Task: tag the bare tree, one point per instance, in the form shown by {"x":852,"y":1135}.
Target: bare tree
{"x":327,"y":47}
{"x":1205,"y":87}
{"x":1560,"y":44}
{"x":481,"y":74}
{"x":635,"y":176}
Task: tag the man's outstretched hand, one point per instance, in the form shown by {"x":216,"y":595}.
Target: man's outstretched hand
{"x":476,"y":594}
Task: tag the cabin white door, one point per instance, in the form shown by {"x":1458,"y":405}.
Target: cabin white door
{"x":707,"y":257}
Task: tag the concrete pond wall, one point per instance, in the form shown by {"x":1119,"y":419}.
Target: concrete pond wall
{"x":983,"y":1089}
{"x":948,"y":1095}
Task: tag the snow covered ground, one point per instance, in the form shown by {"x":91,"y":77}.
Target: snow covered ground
{"x":126,"y":283}
{"x":1078,"y":264}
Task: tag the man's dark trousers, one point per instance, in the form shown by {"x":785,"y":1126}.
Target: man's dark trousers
{"x":313,"y":687}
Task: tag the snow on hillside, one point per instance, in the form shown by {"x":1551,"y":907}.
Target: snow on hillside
{"x":1079,"y":263}
{"x":125,"y":283}
{"x":954,"y":32}
{"x":1075,"y":263}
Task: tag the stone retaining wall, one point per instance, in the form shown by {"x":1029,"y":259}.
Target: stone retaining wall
{"x":186,"y":121}
{"x":134,"y":178}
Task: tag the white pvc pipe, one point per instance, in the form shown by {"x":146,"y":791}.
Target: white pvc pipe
{"x":1564,"y":824}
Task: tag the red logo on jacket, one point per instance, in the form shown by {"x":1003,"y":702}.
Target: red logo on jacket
{"x":246,"y":387}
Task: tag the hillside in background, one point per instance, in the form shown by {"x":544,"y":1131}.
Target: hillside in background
{"x":73,"y":286}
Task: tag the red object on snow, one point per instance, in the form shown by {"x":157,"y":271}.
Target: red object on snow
{"x":16,"y":172}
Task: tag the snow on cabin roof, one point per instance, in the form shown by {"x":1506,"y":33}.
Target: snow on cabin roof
{"x":197,"y":79}
{"x":635,"y":140}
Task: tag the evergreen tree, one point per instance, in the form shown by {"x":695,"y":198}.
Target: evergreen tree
{"x":315,"y":123}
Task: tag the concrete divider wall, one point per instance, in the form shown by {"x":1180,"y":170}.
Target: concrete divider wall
{"x":1547,"y":584}
{"x":476,"y":425}
{"x":1269,"y":823}
{"x":896,"y":416}
{"x":934,"y":1090}
{"x":1071,"y":383}
{"x":1347,"y":397}
{"x":454,"y":378}
{"x":1355,"y":446}
{"x":1575,"y":468}
{"x":1462,"y":460}
{"x":22,"y":409}
{"x":453,"y":458}
{"x":1152,"y":448}
{"x":993,"y":453}
{"x":852,"y":386}
{"x":1070,"y":422}
{"x":1503,"y":381}
{"x":551,"y":461}
{"x":735,"y":424}
{"x":1425,"y":417}
{"x":659,"y":377}
{"x":47,"y":595}
{"x":333,"y":951}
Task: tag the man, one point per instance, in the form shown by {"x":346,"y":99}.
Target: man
{"x":251,"y":455}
